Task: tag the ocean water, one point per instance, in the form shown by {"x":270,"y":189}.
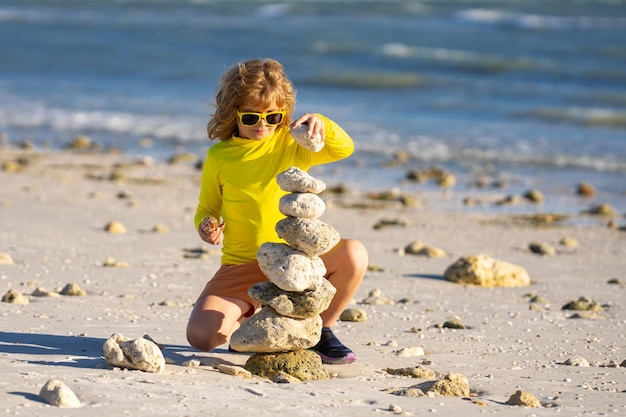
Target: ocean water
{"x":531,"y":92}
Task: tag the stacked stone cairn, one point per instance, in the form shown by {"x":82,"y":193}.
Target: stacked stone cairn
{"x":296,"y":292}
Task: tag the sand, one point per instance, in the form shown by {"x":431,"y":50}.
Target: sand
{"x":53,"y":213}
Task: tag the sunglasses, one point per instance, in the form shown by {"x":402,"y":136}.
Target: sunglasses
{"x":252,"y":118}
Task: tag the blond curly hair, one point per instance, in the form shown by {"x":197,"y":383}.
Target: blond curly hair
{"x":253,"y":83}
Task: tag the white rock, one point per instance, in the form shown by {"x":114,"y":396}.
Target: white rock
{"x":55,"y":392}
{"x":141,"y":354}
{"x":295,"y":180}
{"x":288,"y":268}
{"x":311,"y":236}
{"x":267,"y":331}
{"x":305,"y":205}
{"x":313,"y":142}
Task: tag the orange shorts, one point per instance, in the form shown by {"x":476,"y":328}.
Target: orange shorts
{"x":233,"y":281}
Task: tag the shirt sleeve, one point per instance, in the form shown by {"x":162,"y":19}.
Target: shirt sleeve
{"x":210,"y":199}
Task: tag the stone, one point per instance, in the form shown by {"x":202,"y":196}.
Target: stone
{"x":314,"y":142}
{"x":294,"y":180}
{"x":311,"y":236}
{"x":140,"y":354}
{"x":15,"y":297}
{"x":484,"y":271}
{"x":535,"y":196}
{"x":582,"y":362}
{"x":301,"y":364}
{"x":233,"y":370}
{"x":115,"y":228}
{"x":523,"y":398}
{"x":303,"y":205}
{"x":267,"y":331}
{"x":452,"y":385}
{"x":288,"y":268}
{"x":542,"y":248}
{"x":58,"y":394}
{"x":299,"y":305}
{"x":354,"y":315}
{"x":413,"y":372}
{"x":73,"y":290}
{"x":409,"y":352}
{"x":5,"y":259}
{"x":375,"y":297}
{"x":42,"y":292}
{"x":585,"y":189}
{"x":583,"y":304}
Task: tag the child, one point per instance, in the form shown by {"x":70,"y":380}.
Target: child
{"x":254,"y":106}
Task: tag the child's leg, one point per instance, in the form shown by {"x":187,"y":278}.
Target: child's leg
{"x":213,"y":320}
{"x":346,"y":265}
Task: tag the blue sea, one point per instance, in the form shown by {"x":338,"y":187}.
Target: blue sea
{"x":531,"y":92}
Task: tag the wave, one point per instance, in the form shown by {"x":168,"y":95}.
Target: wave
{"x":439,"y":153}
{"x":180,"y":128}
{"x":597,"y":117}
{"x":367,"y":80}
{"x":473,"y":61}
{"x":535,"y":21}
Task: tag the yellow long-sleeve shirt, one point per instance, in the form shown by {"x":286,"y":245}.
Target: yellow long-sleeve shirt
{"x":239,"y":185}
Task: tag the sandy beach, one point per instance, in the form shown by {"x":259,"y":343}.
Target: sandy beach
{"x":54,"y":209}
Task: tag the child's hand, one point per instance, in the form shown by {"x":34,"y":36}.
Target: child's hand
{"x":211,"y":231}
{"x":315,"y":123}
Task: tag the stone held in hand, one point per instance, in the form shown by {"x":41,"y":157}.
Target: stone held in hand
{"x":299,"y":305}
{"x":267,"y":331}
{"x":314,"y":142}
{"x":288,"y":268}
{"x":313,"y":237}
{"x":295,"y":180}
{"x":303,"y":205}
{"x":484,"y":271}
{"x":140,"y":354}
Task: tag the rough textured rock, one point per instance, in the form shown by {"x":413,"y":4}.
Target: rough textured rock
{"x":15,"y":297}
{"x":524,"y":398}
{"x":353,"y":314}
{"x":5,"y":259}
{"x":141,"y":354}
{"x":233,"y":370}
{"x":288,"y":268}
{"x":413,"y":372}
{"x":299,"y":305}
{"x":73,"y":290}
{"x":314,"y":142}
{"x":583,"y":304}
{"x":55,"y":392}
{"x":301,"y":364}
{"x":303,"y":205}
{"x":267,"y":331}
{"x":294,"y":180}
{"x":452,"y":385}
{"x":313,"y":237}
{"x":484,"y":271}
